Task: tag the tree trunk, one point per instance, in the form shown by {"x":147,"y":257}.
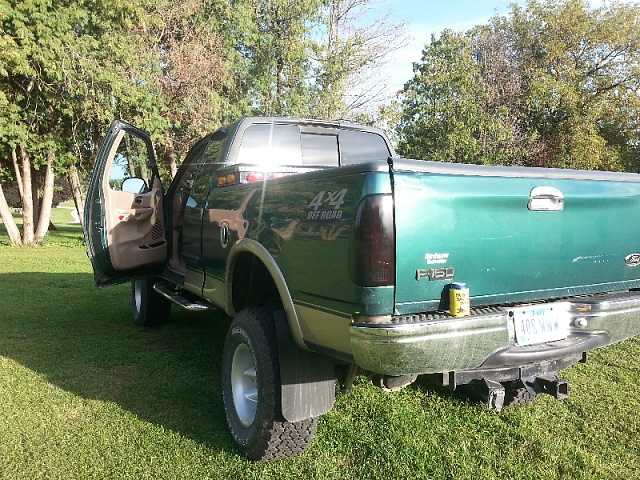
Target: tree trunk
{"x":76,"y":190}
{"x":47,"y":199}
{"x":35,"y":191}
{"x":144,"y":173}
{"x":27,"y":199}
{"x":173,"y":164}
{"x":9,"y":222}
{"x":16,"y":168}
{"x":173,"y":158}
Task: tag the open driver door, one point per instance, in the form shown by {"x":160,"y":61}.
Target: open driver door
{"x":123,"y":216}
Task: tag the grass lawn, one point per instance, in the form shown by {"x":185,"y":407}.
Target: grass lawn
{"x":86,"y":394}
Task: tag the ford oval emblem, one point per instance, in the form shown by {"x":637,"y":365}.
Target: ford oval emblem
{"x":633,"y":259}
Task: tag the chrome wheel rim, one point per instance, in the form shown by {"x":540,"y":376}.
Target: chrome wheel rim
{"x":244,"y":387}
{"x":137,"y":294}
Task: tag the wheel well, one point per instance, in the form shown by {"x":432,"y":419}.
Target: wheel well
{"x":252,"y":285}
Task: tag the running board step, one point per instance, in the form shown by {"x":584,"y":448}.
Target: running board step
{"x":164,"y":289}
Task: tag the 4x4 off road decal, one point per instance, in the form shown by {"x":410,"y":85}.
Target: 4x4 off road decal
{"x":327,"y":199}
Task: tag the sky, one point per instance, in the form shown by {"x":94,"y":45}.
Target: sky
{"x":426,"y":17}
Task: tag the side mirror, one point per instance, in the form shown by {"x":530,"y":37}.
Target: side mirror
{"x":134,"y":185}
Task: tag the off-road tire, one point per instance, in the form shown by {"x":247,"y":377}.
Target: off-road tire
{"x":251,"y":391}
{"x":148,"y":306}
{"x":515,"y":394}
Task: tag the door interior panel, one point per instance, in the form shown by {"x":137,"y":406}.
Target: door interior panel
{"x":135,"y":230}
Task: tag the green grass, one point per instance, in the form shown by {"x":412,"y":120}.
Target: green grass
{"x":86,"y":394}
{"x":67,"y":233}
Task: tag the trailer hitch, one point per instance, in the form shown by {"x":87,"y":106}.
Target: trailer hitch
{"x":554,"y":386}
{"x":493,"y":393}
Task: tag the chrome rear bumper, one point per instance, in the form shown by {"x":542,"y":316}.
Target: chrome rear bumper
{"x":486,"y":339}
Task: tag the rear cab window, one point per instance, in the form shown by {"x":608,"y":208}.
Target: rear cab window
{"x":357,"y":146}
{"x":274,"y":145}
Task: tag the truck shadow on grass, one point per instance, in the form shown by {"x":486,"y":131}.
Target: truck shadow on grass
{"x":84,"y":341}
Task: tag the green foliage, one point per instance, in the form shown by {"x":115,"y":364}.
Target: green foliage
{"x":553,"y":84}
{"x":279,"y":38}
{"x":69,"y":66}
{"x":443,"y":104}
{"x":446,"y":107}
{"x":177,"y":70}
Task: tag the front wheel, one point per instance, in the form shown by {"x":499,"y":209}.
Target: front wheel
{"x":148,"y":306}
{"x":251,"y":391}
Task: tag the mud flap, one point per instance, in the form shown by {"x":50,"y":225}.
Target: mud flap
{"x":308,"y":379}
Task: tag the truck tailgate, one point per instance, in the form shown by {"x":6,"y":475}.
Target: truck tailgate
{"x":479,"y":225}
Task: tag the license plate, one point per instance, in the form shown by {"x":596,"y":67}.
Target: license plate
{"x":540,"y":324}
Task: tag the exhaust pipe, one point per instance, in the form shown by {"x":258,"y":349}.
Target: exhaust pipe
{"x":392,"y":383}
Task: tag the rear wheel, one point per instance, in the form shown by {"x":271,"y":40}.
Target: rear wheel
{"x":148,"y":306}
{"x":251,"y":391}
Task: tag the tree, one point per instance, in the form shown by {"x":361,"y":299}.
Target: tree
{"x":346,"y":55}
{"x":273,"y":44}
{"x":33,"y":98}
{"x":197,"y":88}
{"x":445,"y":107}
{"x":576,"y":63}
{"x":308,"y":58}
{"x":62,"y":74}
{"x":557,"y":85}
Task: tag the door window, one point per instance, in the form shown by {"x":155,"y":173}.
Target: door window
{"x":132,"y":160}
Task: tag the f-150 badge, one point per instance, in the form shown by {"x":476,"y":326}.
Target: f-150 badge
{"x":446,"y":273}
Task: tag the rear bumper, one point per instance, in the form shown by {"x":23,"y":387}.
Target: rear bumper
{"x":486,"y":339}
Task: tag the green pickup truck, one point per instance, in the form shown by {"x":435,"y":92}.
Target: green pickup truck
{"x":337,"y":259}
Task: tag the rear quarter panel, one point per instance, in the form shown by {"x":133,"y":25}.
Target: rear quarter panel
{"x":305,"y":222}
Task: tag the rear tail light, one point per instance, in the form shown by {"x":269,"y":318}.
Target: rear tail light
{"x":372,"y":252}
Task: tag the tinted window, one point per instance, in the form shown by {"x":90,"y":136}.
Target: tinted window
{"x":278,"y":145}
{"x":188,"y":171}
{"x":359,"y":147}
{"x":319,"y":149}
{"x":197,"y":175}
{"x":212,"y":153}
{"x":203,"y":181}
{"x":271,"y":144}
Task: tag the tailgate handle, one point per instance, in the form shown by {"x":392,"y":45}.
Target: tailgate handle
{"x":546,"y":199}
